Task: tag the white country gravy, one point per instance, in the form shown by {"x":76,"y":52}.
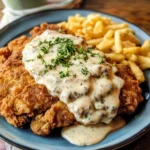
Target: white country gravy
{"x":91,"y":134}
{"x":79,"y":78}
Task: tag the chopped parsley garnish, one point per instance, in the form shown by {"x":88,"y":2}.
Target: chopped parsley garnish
{"x":103,"y":75}
{"x":43,"y":61}
{"x":44,"y":50}
{"x":45,"y":71}
{"x":60,"y":30}
{"x":82,"y":54}
{"x":89,"y":50}
{"x":84,"y":71}
{"x":44,"y":46}
{"x":30,"y":60}
{"x":86,"y":116}
{"x":39,"y":56}
{"x":74,"y":75}
{"x":101,"y":59}
{"x":66,"y":50}
{"x":64,"y":74}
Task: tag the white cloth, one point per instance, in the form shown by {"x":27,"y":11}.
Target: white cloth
{"x":6,"y":146}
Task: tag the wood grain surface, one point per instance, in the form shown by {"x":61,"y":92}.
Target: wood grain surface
{"x":135,"y":11}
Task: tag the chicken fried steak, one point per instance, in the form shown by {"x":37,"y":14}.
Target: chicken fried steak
{"x":23,"y":101}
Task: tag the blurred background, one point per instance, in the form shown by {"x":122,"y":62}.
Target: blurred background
{"x":135,"y":11}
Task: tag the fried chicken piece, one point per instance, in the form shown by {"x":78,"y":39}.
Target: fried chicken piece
{"x":23,"y":100}
{"x":19,"y":94}
{"x":57,"y":116}
{"x":130,"y":95}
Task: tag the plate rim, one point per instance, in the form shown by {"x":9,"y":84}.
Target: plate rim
{"x":115,"y":146}
{"x":26,"y":16}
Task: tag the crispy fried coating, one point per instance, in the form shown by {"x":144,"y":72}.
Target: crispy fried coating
{"x":23,"y":101}
{"x":130,"y":95}
{"x":21,"y":98}
{"x":53,"y":117}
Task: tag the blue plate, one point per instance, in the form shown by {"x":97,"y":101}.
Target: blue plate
{"x":137,"y":125}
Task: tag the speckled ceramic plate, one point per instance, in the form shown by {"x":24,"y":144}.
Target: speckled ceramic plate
{"x":136,"y":126}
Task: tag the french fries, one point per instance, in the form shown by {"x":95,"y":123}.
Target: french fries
{"x":115,"y":57}
{"x":131,"y":57}
{"x":143,"y":59}
{"x":94,"y":41}
{"x":131,"y":50}
{"x":145,"y":49}
{"x":118,"y":44}
{"x":136,"y":71}
{"x":117,"y":26}
{"x":117,"y":41}
{"x":105,"y":45}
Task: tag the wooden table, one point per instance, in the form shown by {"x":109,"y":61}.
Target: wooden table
{"x":135,"y":11}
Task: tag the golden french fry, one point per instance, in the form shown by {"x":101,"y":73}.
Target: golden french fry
{"x":125,"y":62}
{"x":133,"y":38}
{"x":124,"y":31}
{"x":88,"y":30}
{"x":94,"y":17}
{"x":87,"y":36}
{"x":117,"y":26}
{"x":131,"y":57}
{"x":72,"y":19}
{"x":87,"y":23}
{"x":113,"y":48}
{"x":144,"y":66}
{"x":118,"y":44}
{"x":105,"y":45}
{"x":106,"y":21}
{"x":91,"y":15}
{"x":131,"y":50}
{"x":109,"y":34}
{"x":115,"y":57}
{"x":76,"y":24}
{"x":136,"y":71}
{"x":94,"y":42}
{"x":98,"y":35}
{"x":145,"y":49}
{"x":127,"y":44}
{"x":146,"y":45}
{"x":79,"y":33}
{"x":130,"y":37}
{"x":72,"y":28}
{"x":98,"y":28}
{"x":143,"y":59}
{"x":148,"y":55}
